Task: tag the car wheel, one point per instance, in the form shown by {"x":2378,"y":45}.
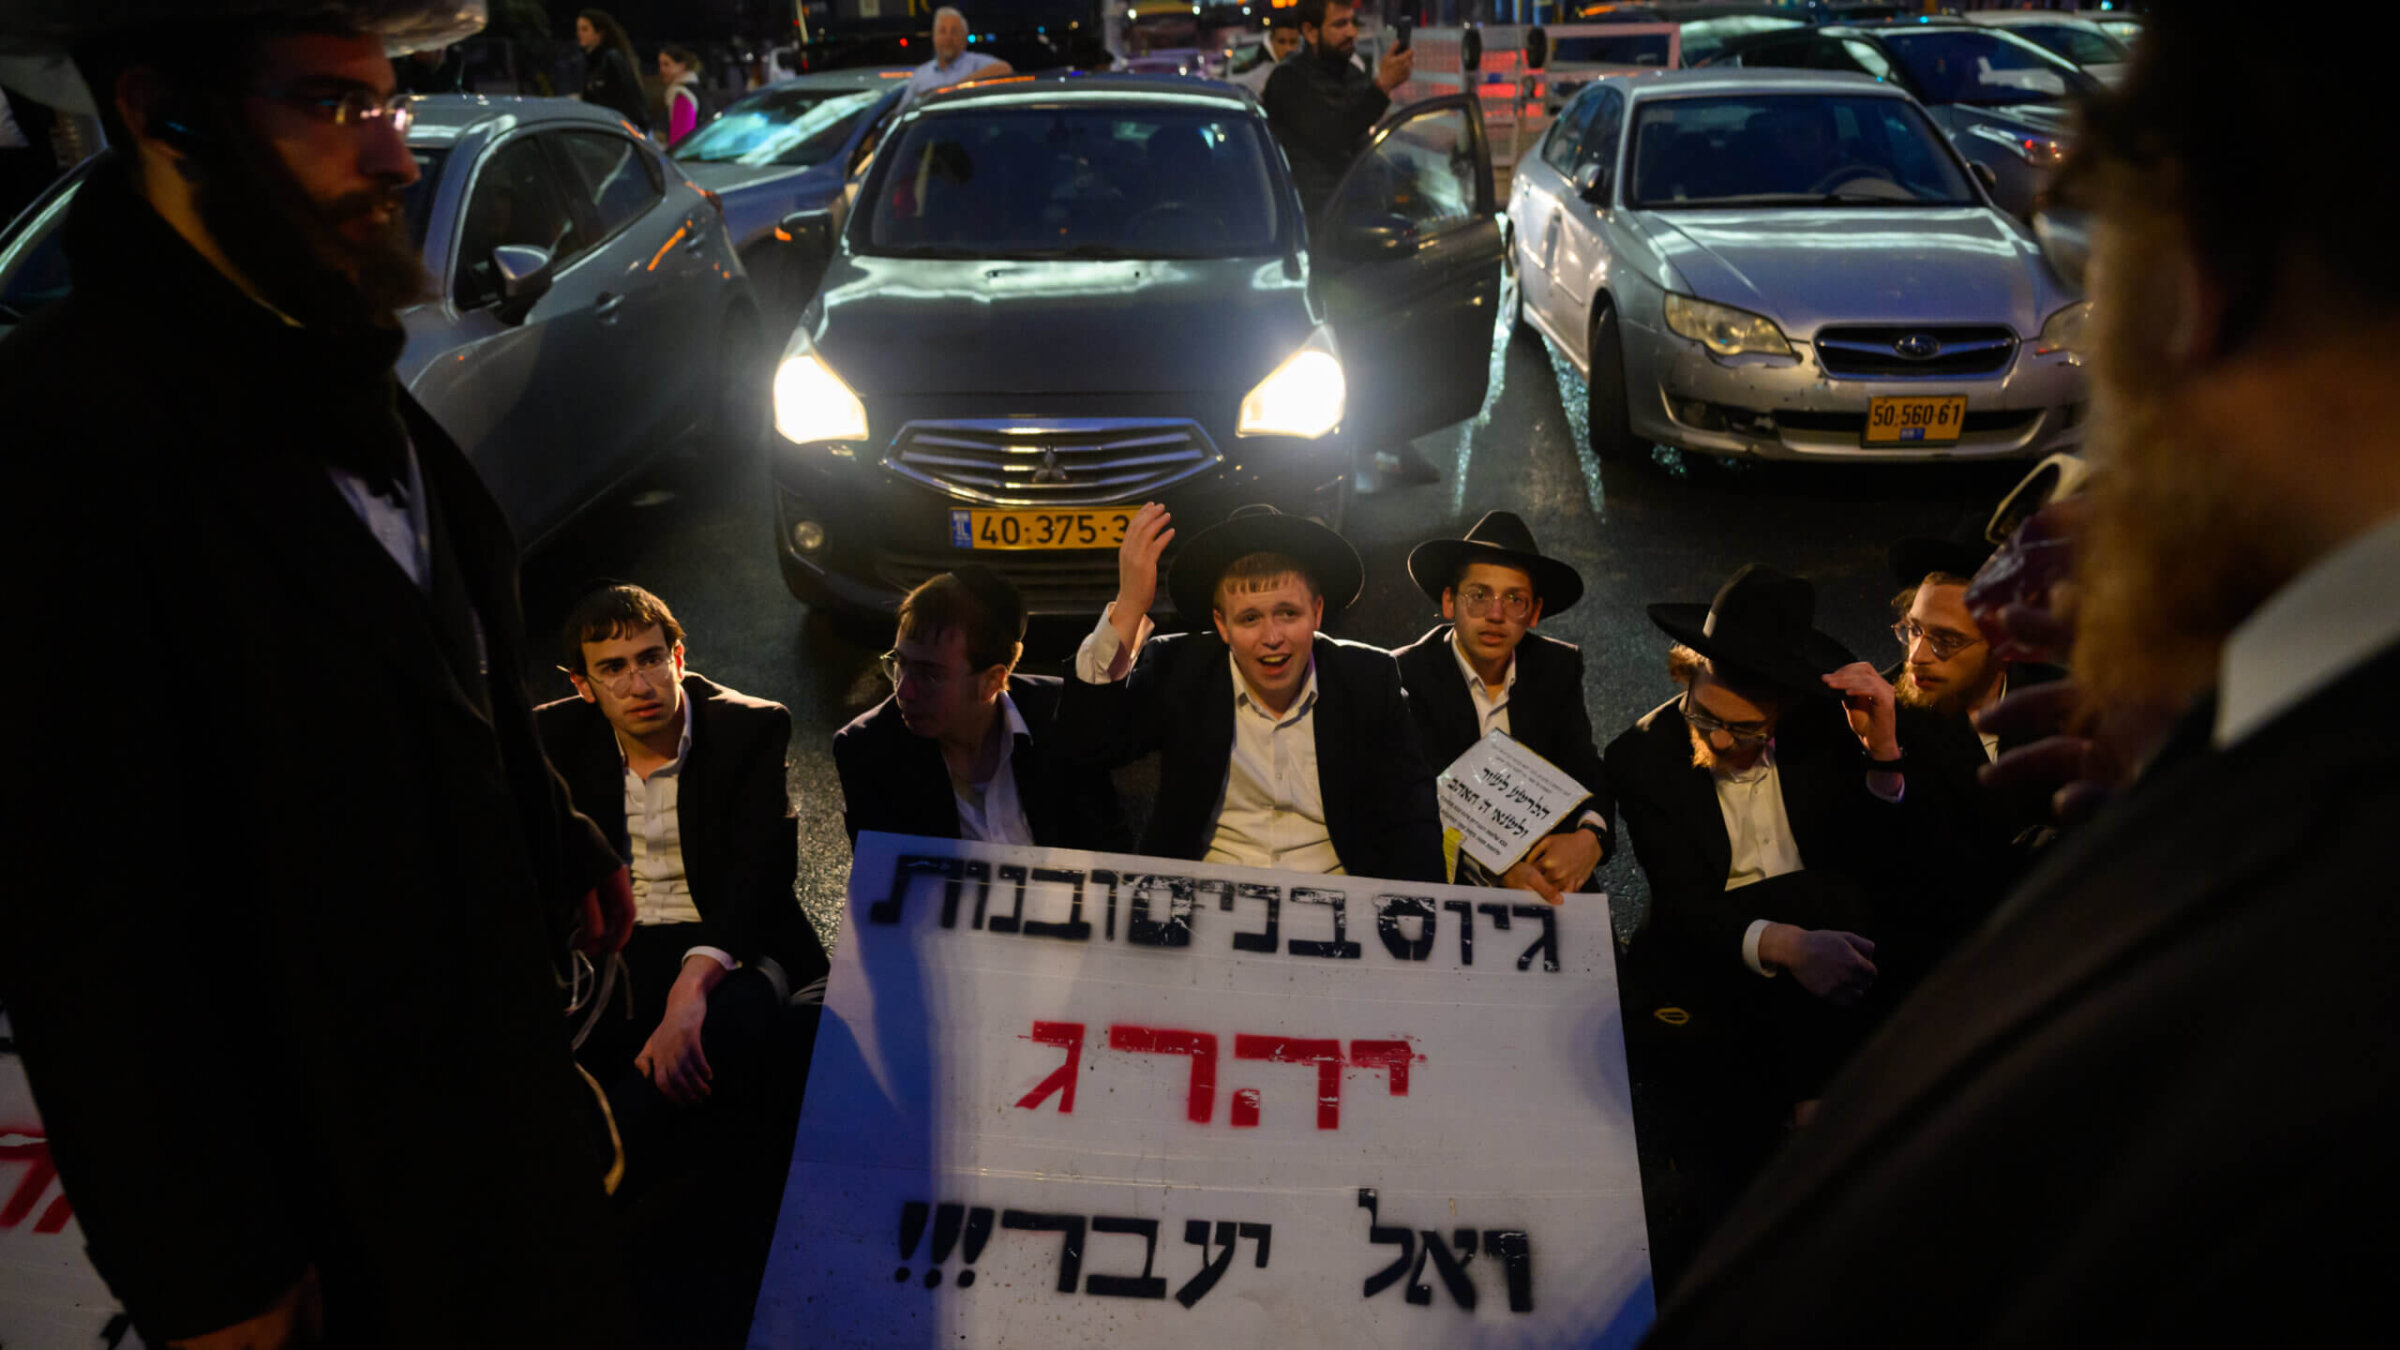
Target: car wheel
{"x":1605,"y":405}
{"x":738,"y":422}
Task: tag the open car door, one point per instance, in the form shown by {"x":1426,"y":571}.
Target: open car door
{"x":1409,"y":249}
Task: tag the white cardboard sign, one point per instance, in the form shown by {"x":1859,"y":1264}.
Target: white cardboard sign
{"x":1064,"y":1098}
{"x":50,"y":1297}
{"x":1501,"y":798}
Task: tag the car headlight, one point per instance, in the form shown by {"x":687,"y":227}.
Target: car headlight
{"x":812,"y":403}
{"x":2063,"y":331}
{"x":1723,"y":329}
{"x":1303,"y":397}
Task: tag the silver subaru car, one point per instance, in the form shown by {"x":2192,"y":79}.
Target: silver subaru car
{"x":1789,"y":265}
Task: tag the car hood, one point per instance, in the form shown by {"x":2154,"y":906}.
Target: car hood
{"x":1805,"y":268}
{"x":986,"y":326}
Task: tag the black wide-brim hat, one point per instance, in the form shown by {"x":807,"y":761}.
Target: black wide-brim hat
{"x":1761,"y":625}
{"x":1961,"y":552}
{"x":1501,"y":538}
{"x":1332,"y":565}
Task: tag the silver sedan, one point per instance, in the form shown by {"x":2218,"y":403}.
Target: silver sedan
{"x":1789,"y":265}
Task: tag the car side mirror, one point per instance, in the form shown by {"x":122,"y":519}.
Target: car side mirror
{"x":1591,"y":184}
{"x":1537,"y":47}
{"x":1984,"y":175}
{"x":1368,"y":237}
{"x":1470,"y":50}
{"x":525,"y":272}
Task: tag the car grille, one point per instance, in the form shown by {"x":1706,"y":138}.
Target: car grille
{"x":1877,"y":352}
{"x":1032,"y":461}
{"x":1080,"y":583}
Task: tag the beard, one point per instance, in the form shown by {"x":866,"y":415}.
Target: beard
{"x":297,"y":252}
{"x":1954,"y":700}
{"x":2180,"y":544}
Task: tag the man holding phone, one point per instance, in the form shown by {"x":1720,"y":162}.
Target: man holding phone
{"x":1321,"y":105}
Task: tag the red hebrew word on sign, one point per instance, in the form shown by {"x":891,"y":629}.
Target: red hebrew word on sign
{"x":1392,"y":1057}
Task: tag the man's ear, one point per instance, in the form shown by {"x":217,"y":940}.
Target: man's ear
{"x":1316,"y":611}
{"x":1224,"y":634}
{"x":1449,"y":606}
{"x":1534,"y":615}
{"x":2196,"y":317}
{"x":677,"y":655}
{"x":584,"y":687}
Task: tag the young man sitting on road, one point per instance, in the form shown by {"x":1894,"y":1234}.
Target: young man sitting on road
{"x":957,"y":751}
{"x":1278,"y":747}
{"x":1485,"y":670}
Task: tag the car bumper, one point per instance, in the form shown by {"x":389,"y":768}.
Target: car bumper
{"x":880,"y":529}
{"x":1679,"y":395}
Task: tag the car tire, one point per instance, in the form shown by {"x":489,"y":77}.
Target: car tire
{"x":1606,"y":406}
{"x":738,"y":420}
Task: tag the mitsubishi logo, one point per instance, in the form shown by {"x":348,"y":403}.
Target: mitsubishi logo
{"x":1048,"y":471}
{"x":1918,"y":347}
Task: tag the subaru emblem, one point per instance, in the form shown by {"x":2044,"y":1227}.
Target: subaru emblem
{"x":1919,"y":347}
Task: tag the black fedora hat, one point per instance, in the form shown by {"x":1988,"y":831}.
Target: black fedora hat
{"x":1332,"y":565}
{"x":1761,"y":624}
{"x":1961,"y":552}
{"x":1500,"y":537}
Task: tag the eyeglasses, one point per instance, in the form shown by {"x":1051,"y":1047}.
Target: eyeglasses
{"x":1945,"y":644}
{"x":1477,"y":601}
{"x":1743,"y":733}
{"x":351,"y":108}
{"x":648,"y":668}
{"x":927,"y":674}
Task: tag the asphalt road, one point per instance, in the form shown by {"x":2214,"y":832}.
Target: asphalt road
{"x":700,"y":535}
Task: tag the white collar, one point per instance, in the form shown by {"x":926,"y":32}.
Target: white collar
{"x":2335,"y":615}
{"x":1475,"y":684}
{"x":1300,"y":706}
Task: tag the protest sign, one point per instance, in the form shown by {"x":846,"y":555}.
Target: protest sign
{"x":49,"y":1294}
{"x":1500,"y":798}
{"x":1063,"y":1098}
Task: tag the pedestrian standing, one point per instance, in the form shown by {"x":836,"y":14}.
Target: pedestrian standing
{"x":679,"y":70}
{"x":2145,"y":1098}
{"x":610,"y":78}
{"x":1322,"y":106}
{"x":952,"y":63}
{"x":285,"y":965}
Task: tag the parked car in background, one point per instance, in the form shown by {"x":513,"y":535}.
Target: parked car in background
{"x":1789,"y":265}
{"x":2000,"y":99}
{"x":1173,"y":61}
{"x":2124,"y":27}
{"x":589,"y":312}
{"x":1580,"y":54}
{"x":1061,"y":298}
{"x":791,"y":148}
{"x":2081,"y":41}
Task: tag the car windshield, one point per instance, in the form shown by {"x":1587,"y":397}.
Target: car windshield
{"x":1791,"y":150}
{"x":1951,"y":65}
{"x":2079,"y":45}
{"x":792,"y":127}
{"x":1611,"y":49}
{"x":1073,"y":182}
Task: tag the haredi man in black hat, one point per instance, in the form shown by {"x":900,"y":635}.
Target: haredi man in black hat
{"x":1760,"y":814}
{"x":1279,"y":747}
{"x":1485,"y":670}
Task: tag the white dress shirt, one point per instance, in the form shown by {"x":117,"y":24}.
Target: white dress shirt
{"x":398,"y":521}
{"x":1271,"y":811}
{"x":2323,"y":624}
{"x":1760,"y":834}
{"x":661,"y":894}
{"x":1491,"y":711}
{"x":990,"y":811}
{"x":1991,"y":739}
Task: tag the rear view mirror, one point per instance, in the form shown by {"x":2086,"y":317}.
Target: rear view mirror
{"x":1537,"y":47}
{"x":525,"y":272}
{"x":1591,"y":184}
{"x":1366,"y":237}
{"x":1470,"y":50}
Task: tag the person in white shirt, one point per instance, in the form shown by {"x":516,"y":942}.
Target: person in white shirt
{"x":957,"y":751}
{"x":1279,"y":747}
{"x":952,"y":63}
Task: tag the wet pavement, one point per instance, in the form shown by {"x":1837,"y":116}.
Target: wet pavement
{"x":700,"y":535}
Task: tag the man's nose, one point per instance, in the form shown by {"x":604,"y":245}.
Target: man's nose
{"x":1720,"y":740}
{"x":383,"y":154}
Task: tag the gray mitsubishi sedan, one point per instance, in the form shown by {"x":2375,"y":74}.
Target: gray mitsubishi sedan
{"x":1790,"y":266}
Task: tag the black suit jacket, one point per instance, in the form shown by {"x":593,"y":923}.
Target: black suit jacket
{"x":1546,"y":712}
{"x":893,"y":780}
{"x":1670,"y":808}
{"x":2141,"y":1104}
{"x":740,"y":845}
{"x":297,"y":1005}
{"x":1178,"y":701}
{"x":1948,"y":752}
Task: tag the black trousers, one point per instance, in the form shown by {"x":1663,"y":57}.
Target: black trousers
{"x":703,"y":1182}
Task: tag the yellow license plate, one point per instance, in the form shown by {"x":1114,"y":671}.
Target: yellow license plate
{"x":1913,"y":420}
{"x":1039,"y":529}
